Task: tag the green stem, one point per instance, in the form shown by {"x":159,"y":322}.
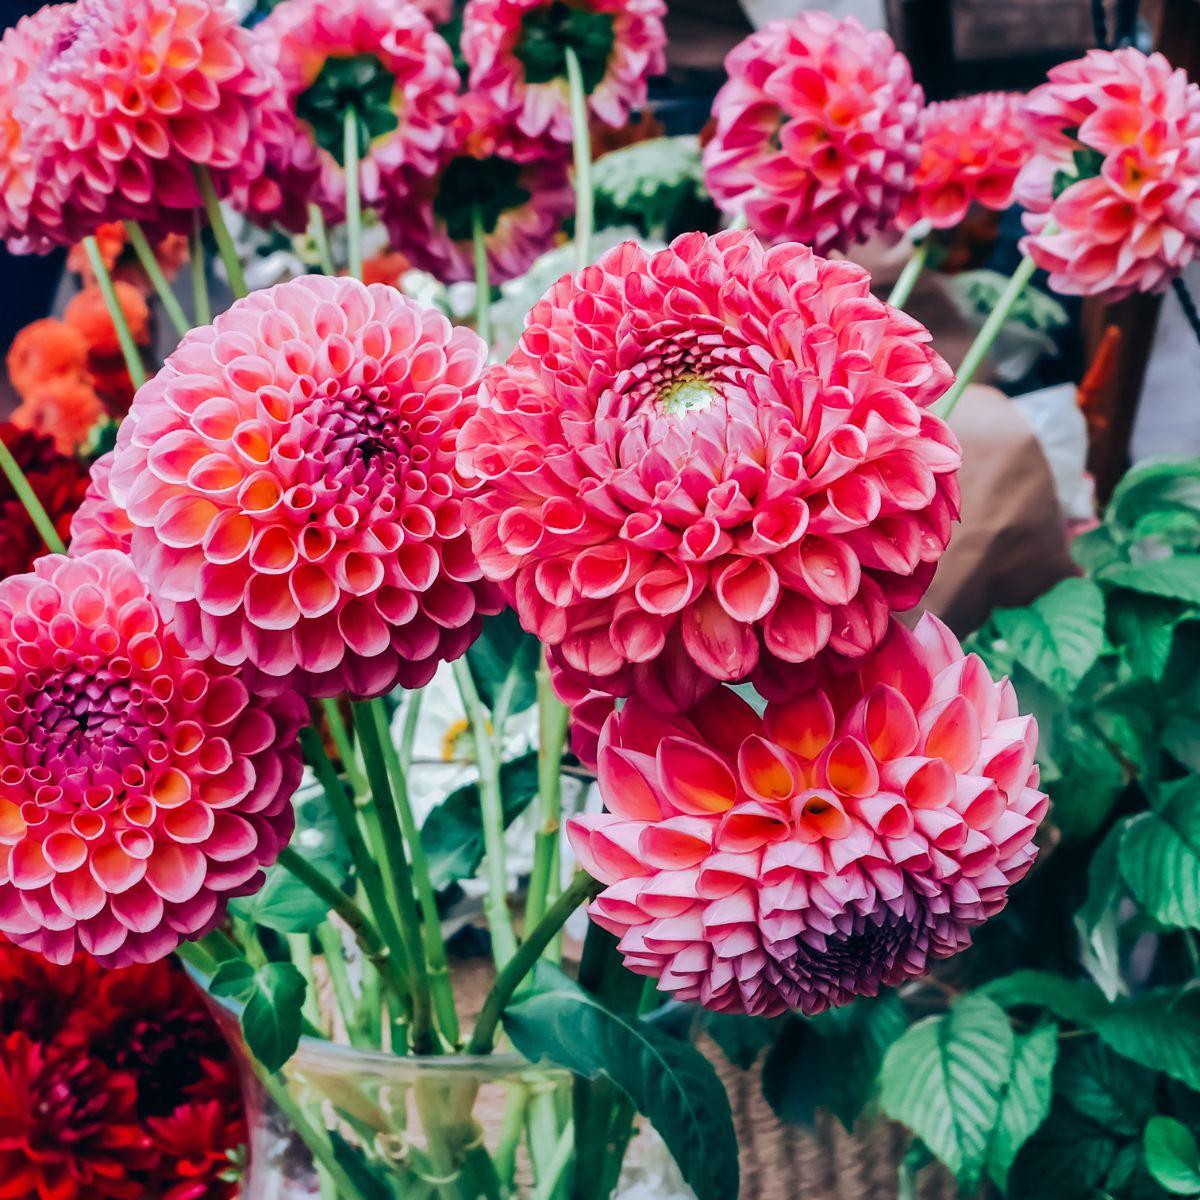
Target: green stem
{"x":129,"y":351}
{"x":504,"y":939}
{"x":320,"y":237}
{"x":581,"y":888}
{"x":353,"y":196}
{"x":334,"y":956}
{"x":408,"y":735}
{"x":582,"y":142}
{"x":483,"y":282}
{"x":199,"y":270}
{"x":402,"y":879}
{"x":986,"y":336}
{"x":345,"y":748}
{"x":553,"y":718}
{"x":225,"y":246}
{"x":29,"y":499}
{"x":547,"y":1184}
{"x":145,"y":254}
{"x":911,"y":273}
{"x":300,"y":948}
{"x":431,"y":926}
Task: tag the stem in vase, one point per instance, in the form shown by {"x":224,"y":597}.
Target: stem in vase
{"x":353,"y":194}
{"x":320,"y":236}
{"x":145,"y":255}
{"x":341,"y":740}
{"x":199,"y":272}
{"x":129,"y":351}
{"x":225,"y":246}
{"x":581,"y":138}
{"x":553,"y":717}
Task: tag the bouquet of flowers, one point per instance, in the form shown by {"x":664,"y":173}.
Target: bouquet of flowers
{"x":671,"y":529}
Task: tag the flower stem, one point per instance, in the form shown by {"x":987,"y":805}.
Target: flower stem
{"x":582,"y":142}
{"x":145,"y":255}
{"x":483,"y":283}
{"x":353,"y":195}
{"x":320,"y":237}
{"x":225,"y":246}
{"x":547,"y":1184}
{"x":402,"y":879}
{"x":581,"y":888}
{"x":345,"y":749}
{"x":29,"y":499}
{"x":504,"y":939}
{"x":431,"y":928}
{"x":912,"y":272}
{"x":330,"y":941}
{"x":199,"y":274}
{"x":129,"y":350}
{"x":552,"y":719}
{"x":986,"y":336}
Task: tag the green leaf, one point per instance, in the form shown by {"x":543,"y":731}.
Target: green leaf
{"x":1099,"y":1084}
{"x":1160,"y":856}
{"x":1097,"y":920}
{"x":832,"y":1061}
{"x":271,"y":996}
{"x":283,"y":903}
{"x":1026,"y":1100}
{"x":1177,"y":578}
{"x":1065,"y":1160}
{"x":945,"y":1079}
{"x":505,"y":653}
{"x":669,"y":1082}
{"x":1151,"y":488}
{"x":741,"y":1039}
{"x":1091,"y":781}
{"x":453,"y":832}
{"x":1074,"y":1000}
{"x":1159,"y":1029}
{"x":1172,"y":1156}
{"x":1143,"y":628}
{"x":1060,"y":635}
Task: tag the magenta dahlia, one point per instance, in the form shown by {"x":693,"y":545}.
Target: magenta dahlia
{"x":818,"y":132}
{"x":384,"y":61}
{"x":832,"y":846}
{"x":290,"y":475}
{"x":1113,"y":188}
{"x":715,"y":457}
{"x":516,"y":51}
{"x":141,"y":788}
{"x":521,"y":202}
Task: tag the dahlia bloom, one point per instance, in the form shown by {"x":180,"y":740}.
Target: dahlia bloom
{"x":194,"y":1143}
{"x":142,"y":788}
{"x":713,"y":458}
{"x":515,"y":50}
{"x":290,"y":476}
{"x":43,"y":350}
{"x":972,"y":151}
{"x":127,"y":99}
{"x":384,"y":59}
{"x":99,"y":523}
{"x":818,"y":132}
{"x":522,"y":202}
{"x":828,"y":848}
{"x":1113,"y":189}
{"x":87,"y":312}
{"x":66,"y":410}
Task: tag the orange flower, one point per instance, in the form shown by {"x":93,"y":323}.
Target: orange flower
{"x":385,"y":268}
{"x":88,"y":313}
{"x":110,"y":238}
{"x":65,"y":409}
{"x":43,"y":351}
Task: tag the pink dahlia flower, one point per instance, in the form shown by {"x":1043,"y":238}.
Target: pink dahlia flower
{"x":713,"y":457}
{"x":141,"y":788}
{"x":99,"y":523}
{"x":130,"y":98}
{"x":830,"y":847}
{"x":290,"y":476}
{"x":817,"y":132}
{"x":971,"y":153}
{"x":516,"y":50}
{"x":522,"y":201}
{"x":386,"y":61}
{"x":1113,"y":189}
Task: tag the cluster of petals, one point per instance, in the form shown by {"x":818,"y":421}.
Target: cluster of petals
{"x":141,"y":787}
{"x":291,"y":482}
{"x":1113,"y":188}
{"x":492,"y":38}
{"x":127,"y":99}
{"x":833,"y":845}
{"x":818,"y":132}
{"x":99,"y":523}
{"x":523,"y":199}
{"x":972,"y":151}
{"x":305,"y":36}
{"x":717,"y":457}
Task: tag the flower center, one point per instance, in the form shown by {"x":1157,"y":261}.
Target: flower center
{"x":360,"y":83}
{"x":489,"y":186}
{"x":687,"y":394}
{"x":546,"y":32}
{"x":77,"y":707}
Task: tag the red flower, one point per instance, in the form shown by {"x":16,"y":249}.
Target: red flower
{"x":195,"y":1141}
{"x":68,"y":1128}
{"x":37,"y":998}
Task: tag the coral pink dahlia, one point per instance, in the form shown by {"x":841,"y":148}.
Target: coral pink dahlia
{"x":718,"y":455}
{"x":130,"y":98}
{"x":516,"y":51}
{"x":817,"y":132}
{"x":1113,"y":189}
{"x":384,"y":61}
{"x":99,"y":523}
{"x":832,"y":846}
{"x":290,"y":476}
{"x":971,"y":153}
{"x":141,"y":788}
